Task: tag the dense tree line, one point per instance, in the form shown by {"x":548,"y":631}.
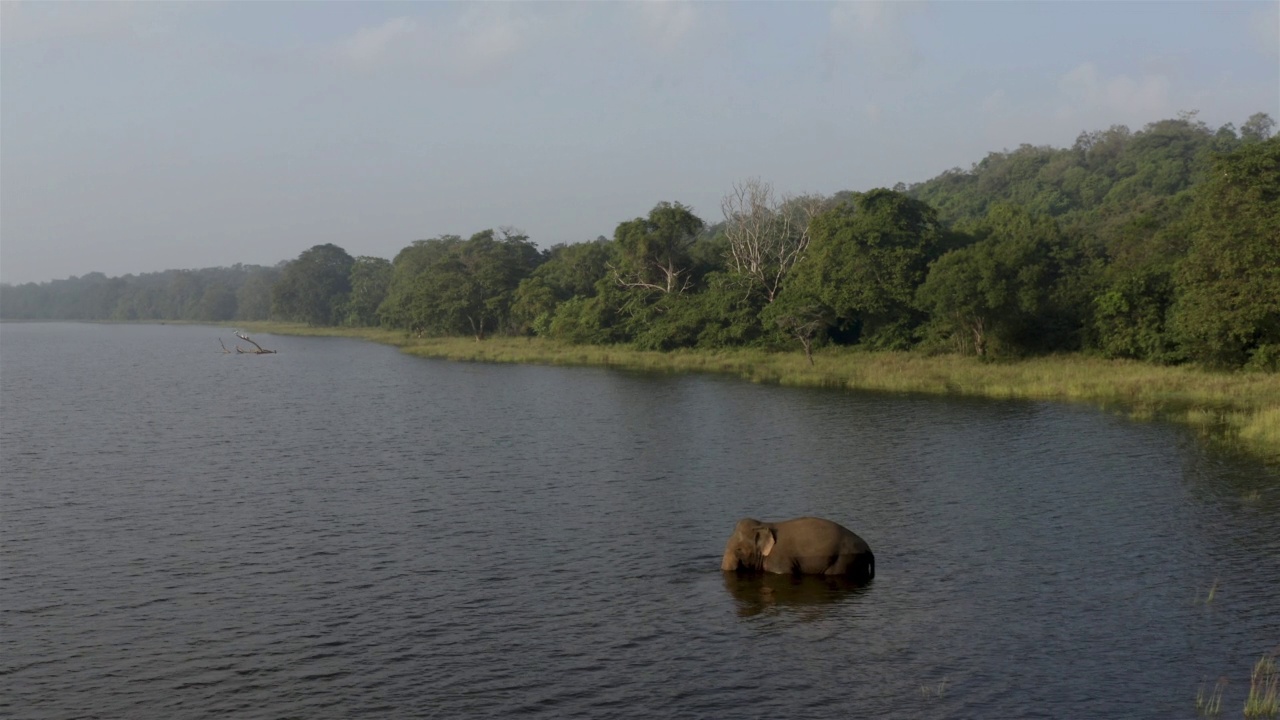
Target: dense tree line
{"x":240,"y":292}
{"x":1161,"y":244}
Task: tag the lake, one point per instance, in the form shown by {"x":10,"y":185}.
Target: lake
{"x":341,"y":530}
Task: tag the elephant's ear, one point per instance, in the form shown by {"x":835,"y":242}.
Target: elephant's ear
{"x":764,"y":541}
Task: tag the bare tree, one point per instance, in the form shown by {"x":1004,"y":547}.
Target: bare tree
{"x":258,"y":349}
{"x":767,"y":234}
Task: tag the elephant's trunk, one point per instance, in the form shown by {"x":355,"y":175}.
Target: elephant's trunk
{"x":730,"y":562}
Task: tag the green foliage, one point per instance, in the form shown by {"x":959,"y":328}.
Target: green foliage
{"x":1128,"y":313}
{"x":1161,"y":245}
{"x":569,"y":271}
{"x":184,"y":293}
{"x":588,"y":320}
{"x":209,"y":294}
{"x":402,"y":306}
{"x":866,"y":257}
{"x":573,"y":270}
{"x":1131,"y":317}
{"x":1228,"y":306}
{"x":253,"y":297}
{"x":370,"y":277}
{"x":994,"y":294}
{"x":654,"y":251}
{"x":313,"y":288}
{"x":725,"y":314}
{"x":1257,"y":128}
{"x":532,"y":306}
{"x":1094,"y":185}
{"x":800,"y":316}
{"x":1127,"y":224}
{"x":217,"y":303}
{"x":448,"y":286}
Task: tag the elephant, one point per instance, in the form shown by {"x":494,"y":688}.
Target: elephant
{"x":803,"y":546}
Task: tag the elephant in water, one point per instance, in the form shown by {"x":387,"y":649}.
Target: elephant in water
{"x":804,"y":546}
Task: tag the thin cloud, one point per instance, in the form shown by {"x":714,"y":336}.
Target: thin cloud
{"x":1265,"y":29}
{"x":1086,"y":94}
{"x":372,"y":45}
{"x":871,"y":36}
{"x":480,"y":43}
{"x":1084,"y":98}
{"x":35,"y":22}
{"x":488,"y":41}
{"x":666,"y":23}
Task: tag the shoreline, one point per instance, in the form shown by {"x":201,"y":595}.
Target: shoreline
{"x":1239,"y":411}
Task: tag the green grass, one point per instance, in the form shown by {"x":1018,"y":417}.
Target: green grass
{"x":1237,"y":409}
{"x":1264,"y":690}
{"x":1213,"y":592}
{"x":1210,"y":705}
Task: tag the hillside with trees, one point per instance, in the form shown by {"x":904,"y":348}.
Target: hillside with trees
{"x":1161,"y":244}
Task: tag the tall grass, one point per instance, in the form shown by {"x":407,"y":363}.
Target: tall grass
{"x":1264,"y":689}
{"x":1210,"y":705}
{"x":1240,"y":409}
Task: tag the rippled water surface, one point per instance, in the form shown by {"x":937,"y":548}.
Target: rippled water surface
{"x":341,"y":530}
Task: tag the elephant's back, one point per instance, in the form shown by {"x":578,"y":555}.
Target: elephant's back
{"x":815,"y":525}
{"x":818,"y":531}
{"x":828,"y":531}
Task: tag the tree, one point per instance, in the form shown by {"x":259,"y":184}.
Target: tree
{"x":866,"y":256}
{"x":217,"y":304}
{"x":1257,"y":128}
{"x":588,"y":320}
{"x":1228,"y":307}
{"x":532,"y":306}
{"x":573,"y":270}
{"x":720,"y":315}
{"x":1131,"y":316}
{"x":654,"y":251}
{"x":767,"y":234}
{"x":141,"y":301}
{"x":404,"y":307}
{"x":998,"y":288}
{"x":801,"y":317}
{"x":370,"y":278}
{"x":185,"y":291}
{"x":568,"y":271}
{"x":313,"y":288}
{"x":449,"y":286}
{"x":1131,"y":306}
{"x":253,"y":298}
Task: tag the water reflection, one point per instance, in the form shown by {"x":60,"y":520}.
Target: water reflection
{"x":807,"y":597}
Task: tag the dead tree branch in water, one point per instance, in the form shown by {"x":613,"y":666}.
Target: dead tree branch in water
{"x":246,"y":338}
{"x":224,"y":346}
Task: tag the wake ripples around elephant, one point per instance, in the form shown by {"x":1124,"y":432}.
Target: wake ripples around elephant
{"x":803,"y":546}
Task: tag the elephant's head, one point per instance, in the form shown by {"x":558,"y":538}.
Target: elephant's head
{"x":750,"y":544}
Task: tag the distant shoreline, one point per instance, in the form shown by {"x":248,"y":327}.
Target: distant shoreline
{"x":1236,"y":410}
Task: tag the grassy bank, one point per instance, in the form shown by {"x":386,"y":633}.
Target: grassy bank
{"x":1238,"y":409}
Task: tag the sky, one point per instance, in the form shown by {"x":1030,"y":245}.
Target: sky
{"x":144,"y":136}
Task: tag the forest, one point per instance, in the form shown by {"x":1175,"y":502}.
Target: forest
{"x":1161,"y":245}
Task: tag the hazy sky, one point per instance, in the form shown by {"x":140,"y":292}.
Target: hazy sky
{"x":136,"y":137}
